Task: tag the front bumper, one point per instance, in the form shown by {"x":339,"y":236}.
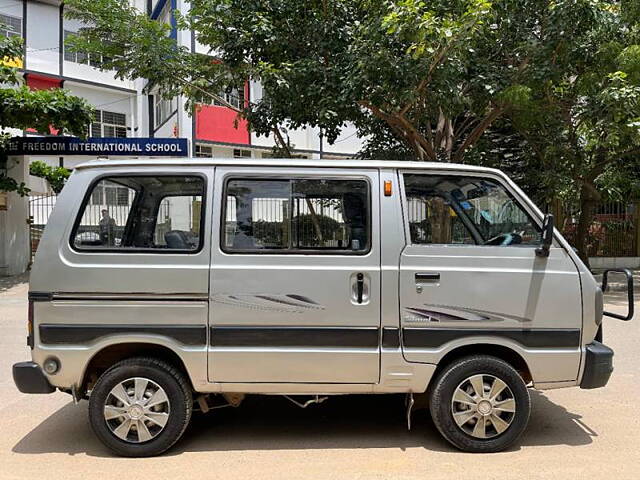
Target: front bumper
{"x":29,"y":378}
{"x":598,"y":365}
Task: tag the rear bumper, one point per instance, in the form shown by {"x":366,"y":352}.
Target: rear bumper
{"x":29,"y":378}
{"x":598,"y":365}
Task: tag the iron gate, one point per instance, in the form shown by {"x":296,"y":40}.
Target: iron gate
{"x":40,"y":207}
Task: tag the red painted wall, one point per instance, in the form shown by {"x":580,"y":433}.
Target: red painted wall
{"x":42,"y":82}
{"x":217,"y":124}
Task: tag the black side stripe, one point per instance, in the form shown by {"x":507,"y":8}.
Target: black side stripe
{"x":390,"y":337}
{"x":39,"y":296}
{"x":330,"y":337}
{"x":533,"y":338}
{"x":122,"y":297}
{"x":67,"y":334}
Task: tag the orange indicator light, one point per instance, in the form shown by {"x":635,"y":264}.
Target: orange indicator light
{"x":387,"y":188}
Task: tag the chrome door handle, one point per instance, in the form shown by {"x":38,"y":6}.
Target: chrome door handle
{"x":359,"y":286}
{"x":423,"y":278}
{"x":427,"y":277}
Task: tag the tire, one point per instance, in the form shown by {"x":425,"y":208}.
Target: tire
{"x":467,"y":421}
{"x":157,"y":413}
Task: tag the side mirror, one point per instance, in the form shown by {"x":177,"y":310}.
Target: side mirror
{"x":547,"y":236}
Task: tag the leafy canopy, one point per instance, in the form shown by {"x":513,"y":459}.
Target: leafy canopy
{"x":41,"y":110}
{"x":432,"y":75}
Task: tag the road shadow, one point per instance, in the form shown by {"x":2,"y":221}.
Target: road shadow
{"x":273,"y":423}
{"x":7,"y":283}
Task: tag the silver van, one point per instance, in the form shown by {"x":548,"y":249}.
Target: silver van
{"x":158,"y":289}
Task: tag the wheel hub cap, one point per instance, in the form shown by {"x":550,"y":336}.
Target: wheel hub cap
{"x":136,"y":410}
{"x":483,"y":406}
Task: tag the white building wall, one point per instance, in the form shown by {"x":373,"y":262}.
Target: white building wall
{"x":43,"y":27}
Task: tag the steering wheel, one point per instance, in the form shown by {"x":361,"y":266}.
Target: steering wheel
{"x":505,"y":239}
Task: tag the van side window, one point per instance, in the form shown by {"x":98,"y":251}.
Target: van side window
{"x":131,"y":213}
{"x":286,"y":216}
{"x":451,"y":209}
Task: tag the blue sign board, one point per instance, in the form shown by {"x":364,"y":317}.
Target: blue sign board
{"x":95,"y":146}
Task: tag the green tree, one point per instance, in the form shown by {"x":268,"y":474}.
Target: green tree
{"x":582,"y":120}
{"x":431,"y":75}
{"x":41,"y":110}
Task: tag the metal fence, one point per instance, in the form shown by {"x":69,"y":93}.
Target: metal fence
{"x":40,"y":208}
{"x":613,"y":233}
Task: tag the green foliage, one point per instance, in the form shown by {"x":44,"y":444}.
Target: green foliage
{"x":56,"y":176}
{"x":436,"y":73}
{"x":41,"y":110}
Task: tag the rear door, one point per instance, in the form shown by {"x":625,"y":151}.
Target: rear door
{"x":295,"y":276}
{"x":470,"y":273}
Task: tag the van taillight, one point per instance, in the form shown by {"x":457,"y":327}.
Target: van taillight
{"x":30,"y":325}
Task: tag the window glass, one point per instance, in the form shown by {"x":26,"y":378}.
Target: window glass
{"x":108,"y":124}
{"x":10,"y":26}
{"x":142,"y":212}
{"x":448,"y":209}
{"x":80,"y":57}
{"x":297,"y":215}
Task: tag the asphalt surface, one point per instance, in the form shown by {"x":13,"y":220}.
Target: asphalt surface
{"x":572,"y":433}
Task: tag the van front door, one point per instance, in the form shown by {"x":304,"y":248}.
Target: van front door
{"x":295,"y":276}
{"x":470,"y":275}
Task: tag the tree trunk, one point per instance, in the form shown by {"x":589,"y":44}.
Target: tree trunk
{"x":588,"y":204}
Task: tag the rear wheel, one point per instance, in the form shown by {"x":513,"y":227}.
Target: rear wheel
{"x":140,"y":407}
{"x":480,"y":404}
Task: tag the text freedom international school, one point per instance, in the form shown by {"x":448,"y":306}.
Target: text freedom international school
{"x":103,"y":146}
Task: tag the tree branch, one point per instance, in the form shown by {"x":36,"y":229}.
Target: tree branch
{"x":477,"y":132}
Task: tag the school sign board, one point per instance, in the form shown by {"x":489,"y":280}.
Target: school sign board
{"x":133,"y":147}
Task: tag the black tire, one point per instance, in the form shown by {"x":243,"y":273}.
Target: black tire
{"x":177,"y":390}
{"x":441,"y":399}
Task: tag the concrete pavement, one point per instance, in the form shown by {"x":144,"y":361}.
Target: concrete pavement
{"x":572,"y":433}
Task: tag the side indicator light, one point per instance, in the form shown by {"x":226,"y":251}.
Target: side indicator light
{"x":387,"y":188}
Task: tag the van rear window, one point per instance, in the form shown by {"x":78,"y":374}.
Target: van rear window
{"x":296,"y":215}
{"x":129,"y":213}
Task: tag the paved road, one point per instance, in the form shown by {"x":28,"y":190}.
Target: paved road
{"x":572,"y":433}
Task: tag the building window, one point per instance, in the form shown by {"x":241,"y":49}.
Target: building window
{"x":10,"y":26}
{"x":234,"y":96}
{"x":203,"y":151}
{"x":238,"y":153}
{"x":164,"y":108}
{"x":108,"y":124}
{"x":81,"y":57}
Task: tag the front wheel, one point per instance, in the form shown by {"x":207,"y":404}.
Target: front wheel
{"x":140,"y":407}
{"x":480,"y":404}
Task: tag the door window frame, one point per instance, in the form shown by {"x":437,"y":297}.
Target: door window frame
{"x":230,"y":176}
{"x":153,"y":251}
{"x":515,"y":197}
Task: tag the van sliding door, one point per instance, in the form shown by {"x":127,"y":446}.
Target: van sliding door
{"x":295,"y":276}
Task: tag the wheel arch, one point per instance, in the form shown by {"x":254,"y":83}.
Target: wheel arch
{"x":509,"y":355}
{"x":109,"y":355}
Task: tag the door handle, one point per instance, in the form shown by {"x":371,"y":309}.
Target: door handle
{"x":427,"y":277}
{"x":359,"y":286}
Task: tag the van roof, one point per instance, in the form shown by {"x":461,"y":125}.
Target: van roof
{"x":282,"y":162}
